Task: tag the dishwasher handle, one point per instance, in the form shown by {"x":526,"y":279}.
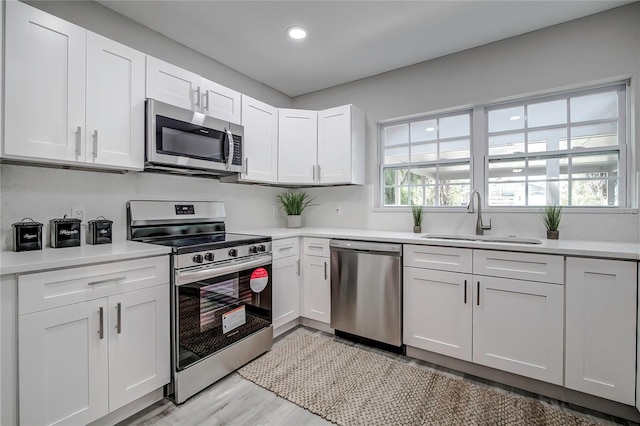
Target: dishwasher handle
{"x":366,"y":246}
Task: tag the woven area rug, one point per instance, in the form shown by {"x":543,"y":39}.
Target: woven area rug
{"x":351,"y":386}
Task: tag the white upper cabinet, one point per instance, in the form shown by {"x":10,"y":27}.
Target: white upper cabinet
{"x":115,"y":104}
{"x":44,"y":85}
{"x":72,"y":97}
{"x":260,"y":123}
{"x":297,"y":146}
{"x":177,"y":86}
{"x":341,"y":143}
{"x":321,"y":147}
{"x":601,"y":328}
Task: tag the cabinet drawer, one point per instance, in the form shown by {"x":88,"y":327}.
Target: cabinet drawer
{"x":285,"y":248}
{"x":316,"y":246}
{"x":52,"y":289}
{"x":440,"y":258}
{"x":522,"y":266}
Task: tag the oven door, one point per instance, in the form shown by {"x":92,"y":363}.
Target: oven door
{"x":182,"y":138}
{"x":216,"y":306}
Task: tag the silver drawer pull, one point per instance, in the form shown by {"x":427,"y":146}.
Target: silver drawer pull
{"x":107,"y":280}
{"x":283,"y":248}
{"x":298,"y":262}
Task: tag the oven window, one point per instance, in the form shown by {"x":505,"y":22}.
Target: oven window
{"x":187,"y":140}
{"x":217,"y":312}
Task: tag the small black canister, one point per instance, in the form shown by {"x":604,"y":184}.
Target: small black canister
{"x":100,"y":231}
{"x":27,"y":235}
{"x":65,"y":232}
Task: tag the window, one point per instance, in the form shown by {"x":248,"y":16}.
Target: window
{"x":568,"y":150}
{"x":427,"y":161}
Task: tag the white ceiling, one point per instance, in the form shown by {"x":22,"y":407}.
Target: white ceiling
{"x":348,"y":40}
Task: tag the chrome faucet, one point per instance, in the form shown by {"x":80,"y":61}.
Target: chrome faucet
{"x":480,"y":227}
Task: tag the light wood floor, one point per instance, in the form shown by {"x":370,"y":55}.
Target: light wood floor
{"x":236,"y":401}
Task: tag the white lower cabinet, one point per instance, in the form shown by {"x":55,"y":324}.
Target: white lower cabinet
{"x":83,"y":360}
{"x":286,"y":290}
{"x":316,"y":289}
{"x":518,"y":327}
{"x":437,"y":311}
{"x":601,"y":328}
{"x":503,"y":323}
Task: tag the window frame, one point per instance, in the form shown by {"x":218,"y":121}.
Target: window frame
{"x":479,"y":150}
{"x":380,"y":193}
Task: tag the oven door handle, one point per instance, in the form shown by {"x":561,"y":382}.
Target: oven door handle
{"x":186,"y":277}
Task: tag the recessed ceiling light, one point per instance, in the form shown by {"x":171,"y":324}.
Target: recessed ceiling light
{"x":516,"y":170}
{"x":430,"y":129}
{"x":297,"y":33}
{"x":514,"y":118}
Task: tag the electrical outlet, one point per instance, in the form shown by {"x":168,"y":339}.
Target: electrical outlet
{"x":78,"y":212}
{"x":338,"y":210}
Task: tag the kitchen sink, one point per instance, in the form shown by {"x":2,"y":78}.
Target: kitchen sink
{"x":488,"y":238}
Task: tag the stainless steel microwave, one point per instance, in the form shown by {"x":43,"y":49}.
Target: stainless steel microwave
{"x":182,"y":141}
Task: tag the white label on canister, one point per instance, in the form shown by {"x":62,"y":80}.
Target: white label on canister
{"x":259,"y":279}
{"x":233,"y":319}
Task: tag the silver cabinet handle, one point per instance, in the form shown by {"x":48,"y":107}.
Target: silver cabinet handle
{"x":119,"y":318}
{"x":206,"y":96}
{"x":196,"y":102}
{"x":465,"y":292}
{"x":319,"y":175}
{"x":95,"y":144}
{"x":314,"y":172}
{"x":231,"y":148}
{"x":101,"y":329}
{"x":246,"y":166}
{"x":325,"y":270}
{"x":106,"y":280}
{"x":298,"y":264}
{"x":78,"y":140}
{"x":478,"y":299}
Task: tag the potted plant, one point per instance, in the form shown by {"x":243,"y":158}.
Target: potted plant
{"x":417,"y":213}
{"x":550,"y":216}
{"x":293,"y":204}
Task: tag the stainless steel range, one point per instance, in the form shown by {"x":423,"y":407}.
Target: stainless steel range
{"x":220,"y":293}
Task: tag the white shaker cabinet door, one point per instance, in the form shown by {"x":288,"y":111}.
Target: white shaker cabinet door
{"x":173,"y":85}
{"x":316,"y":290}
{"x":286,"y":290}
{"x":115,"y":104}
{"x":297,"y":146}
{"x":139,"y":347}
{"x":518,"y":327}
{"x":220,"y":102}
{"x":45,"y":86}
{"x":601,"y":328}
{"x":63,"y":366}
{"x":260,"y":123}
{"x":437,"y":311}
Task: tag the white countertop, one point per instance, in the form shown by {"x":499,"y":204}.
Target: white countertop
{"x":53,"y":258}
{"x":601,"y":249}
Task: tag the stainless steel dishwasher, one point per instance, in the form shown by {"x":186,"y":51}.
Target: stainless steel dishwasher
{"x":366,"y":292}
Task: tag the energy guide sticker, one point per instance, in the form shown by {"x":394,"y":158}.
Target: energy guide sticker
{"x":259,"y":279}
{"x":233,"y":319}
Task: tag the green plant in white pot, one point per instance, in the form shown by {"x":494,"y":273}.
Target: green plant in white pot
{"x":293,"y":204}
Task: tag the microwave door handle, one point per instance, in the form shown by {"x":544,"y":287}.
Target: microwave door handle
{"x":231,"y":148}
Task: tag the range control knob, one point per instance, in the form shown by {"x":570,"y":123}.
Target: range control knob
{"x":253,"y":249}
{"x":261,"y":247}
{"x":233,"y":252}
{"x":208,"y":257}
{"x":197,"y":258}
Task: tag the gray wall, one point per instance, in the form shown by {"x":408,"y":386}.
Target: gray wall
{"x":600,"y":48}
